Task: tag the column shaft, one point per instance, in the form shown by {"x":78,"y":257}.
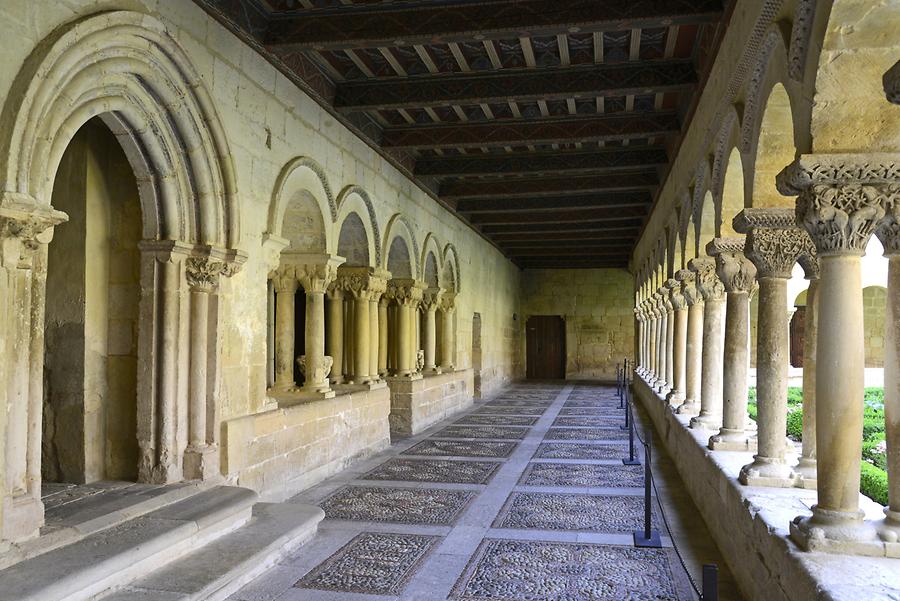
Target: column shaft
{"x":315,"y":341}
{"x":679,"y":356}
{"x":404,"y":340}
{"x":693,"y":359}
{"x":361,"y":340}
{"x":892,"y":394}
{"x":335,"y":339}
{"x":734,"y":378}
{"x":712,"y":355}
{"x":806,"y":467}
{"x":430,"y":338}
{"x":284,"y":334}
{"x":373,"y":338}
{"x":382,"y":338}
{"x":199,"y":350}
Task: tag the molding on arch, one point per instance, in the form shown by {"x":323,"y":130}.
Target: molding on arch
{"x":449,"y":250}
{"x":372,"y":221}
{"x":430,"y":245}
{"x":124,"y":67}
{"x":390,"y":233}
{"x":772,"y":55}
{"x":276,"y":207}
{"x":801,"y":31}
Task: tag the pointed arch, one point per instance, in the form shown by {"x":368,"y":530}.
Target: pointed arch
{"x":125,"y":68}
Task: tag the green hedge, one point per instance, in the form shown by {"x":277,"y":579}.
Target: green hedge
{"x":873,"y":482}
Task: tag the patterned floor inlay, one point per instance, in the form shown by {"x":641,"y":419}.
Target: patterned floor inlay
{"x":434,"y":470}
{"x":605,"y":421}
{"x":563,"y":450}
{"x":511,"y":570}
{"x":497,"y":420}
{"x":436,"y":507}
{"x":499,"y":432}
{"x":561,"y":511}
{"x":580,"y":474}
{"x":372,"y":564}
{"x":602,"y":405}
{"x":586,"y":434}
{"x":462,"y":448}
{"x":590,"y":411}
{"x":505,"y":410}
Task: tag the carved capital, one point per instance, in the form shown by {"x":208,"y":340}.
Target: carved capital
{"x":676,"y":298}
{"x":841,"y":197}
{"x":737,"y":272}
{"x":665,"y":299}
{"x":203,"y":273}
{"x":431,"y":298}
{"x":24,"y":229}
{"x":774,"y":242}
{"x":709,"y":285}
{"x":448,"y":301}
{"x":888,"y":229}
{"x":316,"y":277}
{"x":891,"y":82}
{"x":284,"y":280}
{"x":689,"y":289}
{"x":407,"y":292}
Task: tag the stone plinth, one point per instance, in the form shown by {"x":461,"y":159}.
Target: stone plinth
{"x":419,"y":403}
{"x":285,"y":450}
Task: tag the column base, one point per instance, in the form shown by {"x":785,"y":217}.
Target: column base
{"x":315,"y":393}
{"x":889,"y":531}
{"x":23,"y":517}
{"x":433,"y":371}
{"x":836,"y":532}
{"x":201,"y":462}
{"x":706,"y":421}
{"x":675,"y":398}
{"x":807,"y":475}
{"x":731,"y":440}
{"x":689,"y":407}
{"x":369,"y":385}
{"x":662,"y":388}
{"x":768,"y":471}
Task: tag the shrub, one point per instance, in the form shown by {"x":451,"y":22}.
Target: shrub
{"x":795,"y":424}
{"x":873,"y":482}
{"x":795,"y":396}
{"x":875,"y":452}
{"x":874,"y":397}
{"x":751,"y":409}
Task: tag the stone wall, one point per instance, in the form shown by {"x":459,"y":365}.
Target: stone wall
{"x":596,"y":304}
{"x":284,"y":450}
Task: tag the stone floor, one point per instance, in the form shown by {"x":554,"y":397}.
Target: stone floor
{"x":525,"y":498}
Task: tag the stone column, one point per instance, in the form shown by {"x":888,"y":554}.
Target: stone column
{"x":383,"y":338}
{"x":335,"y":339}
{"x":200,"y":457}
{"x":679,"y":339}
{"x":639,"y":316}
{"x":773,"y":244}
{"x":840,"y":200}
{"x":806,"y":466}
{"x":713,"y":293}
{"x":666,"y":331}
{"x":653,"y":340}
{"x":285,"y":283}
{"x":316,"y":274}
{"x":738,"y":276}
{"x":356,"y":281}
{"x":889,"y":233}
{"x":407,"y":293}
{"x":693,"y":344}
{"x":377,"y":286}
{"x":448,"y":342}
{"x":430,"y":300}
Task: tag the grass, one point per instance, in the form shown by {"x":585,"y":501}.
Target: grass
{"x":873,"y":467}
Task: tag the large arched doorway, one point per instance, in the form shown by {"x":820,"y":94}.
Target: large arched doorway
{"x":91,"y":319}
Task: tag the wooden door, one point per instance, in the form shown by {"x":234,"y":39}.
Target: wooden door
{"x":545,"y":347}
{"x":798,"y":328}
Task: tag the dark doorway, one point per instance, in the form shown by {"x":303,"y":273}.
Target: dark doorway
{"x":545,"y":347}
{"x":798,"y":323}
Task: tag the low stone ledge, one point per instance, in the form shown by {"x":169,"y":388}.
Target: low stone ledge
{"x":282,"y":451}
{"x":417,"y":404}
{"x":750,"y":524}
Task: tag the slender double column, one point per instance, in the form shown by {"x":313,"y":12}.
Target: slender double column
{"x":713,"y":293}
{"x":889,"y":233}
{"x":806,"y":465}
{"x":448,"y":331}
{"x":693,"y":343}
{"x":738,"y":275}
{"x":363,"y":287}
{"x":653,"y":335}
{"x":773,"y":244}
{"x":335,"y":341}
{"x":407,"y":294}
{"x":664,"y":312}
{"x":841,"y":199}
{"x":285,"y":284}
{"x":679,"y":339}
{"x":639,"y":318}
{"x":431,"y":299}
{"x":383,"y":336}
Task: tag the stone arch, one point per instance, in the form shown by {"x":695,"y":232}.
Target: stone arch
{"x":706,"y":228}
{"x":732,"y":199}
{"x":353,"y":200}
{"x":451,"y":273}
{"x":124,"y":67}
{"x":850,"y":112}
{"x":770,"y":68}
{"x":772,"y":150}
{"x":431,"y":262}
{"x":353,"y":242}
{"x":302,"y":207}
{"x":400,"y":249}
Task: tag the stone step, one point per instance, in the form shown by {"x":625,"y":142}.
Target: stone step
{"x":117,"y":555}
{"x":106,"y":504}
{"x":221,"y":568}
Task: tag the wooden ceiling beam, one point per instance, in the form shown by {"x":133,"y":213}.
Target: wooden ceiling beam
{"x":555,"y":203}
{"x":422,"y":91}
{"x":370,"y":26}
{"x":547,"y":186}
{"x":519,"y":132}
{"x":532,"y":163}
{"x":588,"y":243}
{"x":547,"y":230}
{"x":568,"y":252}
{"x":597,"y":215}
{"x":571,"y":263}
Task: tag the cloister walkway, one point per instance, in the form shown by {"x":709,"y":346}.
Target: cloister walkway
{"x":523,"y":498}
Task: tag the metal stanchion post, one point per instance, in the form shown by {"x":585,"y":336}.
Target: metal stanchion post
{"x":647,"y":537}
{"x":632,"y":460}
{"x":710,"y":582}
{"x":628,"y":418}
